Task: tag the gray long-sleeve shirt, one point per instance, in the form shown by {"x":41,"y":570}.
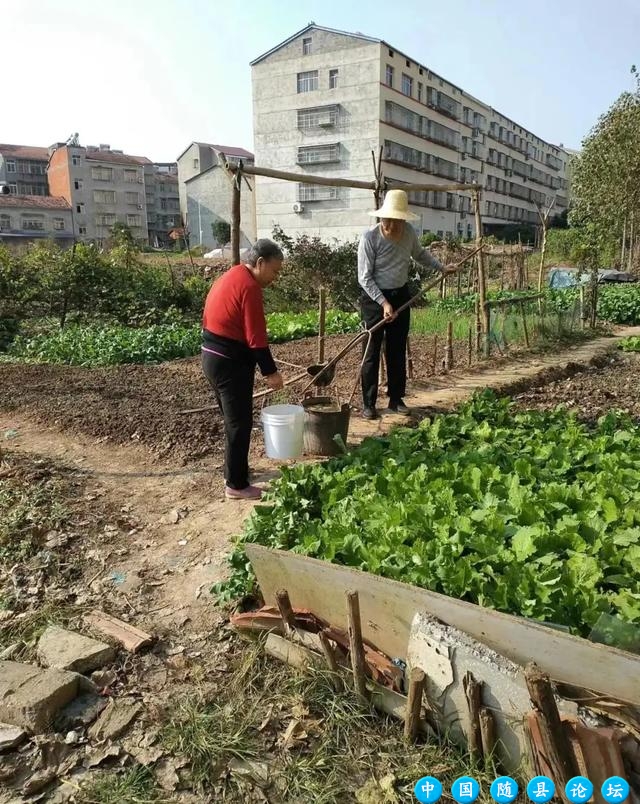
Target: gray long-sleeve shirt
{"x":384,"y":264}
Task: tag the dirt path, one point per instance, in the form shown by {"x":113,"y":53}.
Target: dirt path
{"x":185,"y":523}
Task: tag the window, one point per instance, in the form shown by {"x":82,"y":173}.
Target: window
{"x":420,"y":126}
{"x":82,"y":230}
{"x":333,"y":79}
{"x":104,"y":196}
{"x":80,"y":209}
{"x":307,"y":82}
{"x":318,"y":117}
{"x":5,"y":223}
{"x":101,"y":174}
{"x":33,"y":223}
{"x":13,"y":189}
{"x":420,"y":91}
{"x":306,"y":46}
{"x":196,"y":164}
{"x":11,"y":166}
{"x":77,"y":184}
{"x":58,"y":224}
{"x":317,"y":154}
{"x":407,"y":85}
{"x":131,"y":176}
{"x":389,"y":76}
{"x":133,"y":198}
{"x":316,"y":192}
{"x":105,"y":220}
{"x":75,"y":160}
{"x":163,"y":203}
{"x":133,"y":220}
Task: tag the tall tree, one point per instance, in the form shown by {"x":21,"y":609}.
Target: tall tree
{"x":606,"y":180}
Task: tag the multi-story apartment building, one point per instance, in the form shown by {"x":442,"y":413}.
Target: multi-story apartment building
{"x":103,"y":187}
{"x":24,"y":169}
{"x":205,"y":193}
{"x":323,"y":100}
{"x":162,"y":200}
{"x":25,"y":218}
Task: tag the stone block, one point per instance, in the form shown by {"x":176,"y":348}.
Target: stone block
{"x":70,"y":651}
{"x":31,"y":697}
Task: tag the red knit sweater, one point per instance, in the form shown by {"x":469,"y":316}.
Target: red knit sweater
{"x":234,"y":311}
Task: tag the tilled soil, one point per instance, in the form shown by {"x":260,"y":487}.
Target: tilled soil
{"x":143,"y":403}
{"x":591,"y":394}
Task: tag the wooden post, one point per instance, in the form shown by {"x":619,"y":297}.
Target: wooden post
{"x":557,"y":748}
{"x":448,"y":354}
{"x":459,"y":285}
{"x":486,"y":318}
{"x":472,"y":691}
{"x":356,"y":646}
{"x":524,"y":324}
{"x":382,"y":368}
{"x":409,"y":360}
{"x":322,"y":317}
{"x":435,"y":354}
{"x":478,"y":327}
{"x":235,"y":218}
{"x":470,"y":346}
{"x":330,"y":656}
{"x":487,"y":732}
{"x":482,"y":285}
{"x":414,"y":704}
{"x":624,"y":242}
{"x":631,"y":238}
{"x":286,"y":612}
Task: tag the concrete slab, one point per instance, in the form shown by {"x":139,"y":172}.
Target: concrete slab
{"x":68,"y":650}
{"x":30,"y":697}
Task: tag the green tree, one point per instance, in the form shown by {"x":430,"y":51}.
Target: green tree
{"x":606,"y":177}
{"x":221,"y":232}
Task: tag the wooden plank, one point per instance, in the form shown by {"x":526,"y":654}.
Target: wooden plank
{"x":389,"y":607}
{"x":127,"y":635}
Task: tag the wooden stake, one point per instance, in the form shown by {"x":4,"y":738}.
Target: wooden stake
{"x":235,"y":219}
{"x":482,"y":284}
{"x":487,"y":732}
{"x":448,"y":354}
{"x":322,"y":317}
{"x":525,"y":329}
{"x":631,"y":243}
{"x":286,"y":612}
{"x":414,"y":704}
{"x":356,"y":646}
{"x":557,"y":748}
{"x":478,"y":327}
{"x":472,"y":691}
{"x":435,"y":354}
{"x":382,"y":366}
{"x":409,"y":360}
{"x":330,"y":656}
{"x":470,"y":346}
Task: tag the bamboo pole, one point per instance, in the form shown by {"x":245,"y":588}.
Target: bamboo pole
{"x":414,"y":704}
{"x":303,"y":178}
{"x":356,"y":646}
{"x":470,"y":347}
{"x":235,"y":218}
{"x":322,"y":316}
{"x":482,"y":287}
{"x":624,"y":242}
{"x":448,"y":354}
{"x":478,"y":327}
{"x":631,"y":238}
{"x":391,"y":184}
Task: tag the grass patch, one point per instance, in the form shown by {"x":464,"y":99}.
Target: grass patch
{"x":433,"y":321}
{"x":133,"y":786}
{"x":30,"y":626}
{"x":343,"y":748}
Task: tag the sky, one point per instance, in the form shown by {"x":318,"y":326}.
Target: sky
{"x":150,"y":76}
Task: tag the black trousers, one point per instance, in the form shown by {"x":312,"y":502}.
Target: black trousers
{"x":395,"y":334}
{"x":232,"y":383}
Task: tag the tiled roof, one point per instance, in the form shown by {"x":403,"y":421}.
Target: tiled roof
{"x":118,"y":159}
{"x":231,"y":150}
{"x":25,"y":151}
{"x":33,"y":202}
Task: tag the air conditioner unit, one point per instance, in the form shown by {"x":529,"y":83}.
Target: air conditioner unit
{"x":325,"y":121}
{"x":140,"y":179}
{"x":297,"y":207}
{"x":139,"y":206}
{"x":463,"y":215}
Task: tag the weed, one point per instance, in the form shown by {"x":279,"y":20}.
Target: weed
{"x":133,"y":786}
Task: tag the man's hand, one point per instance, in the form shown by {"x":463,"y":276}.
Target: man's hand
{"x":388,"y":311}
{"x":274,"y":381}
{"x":451,"y":269}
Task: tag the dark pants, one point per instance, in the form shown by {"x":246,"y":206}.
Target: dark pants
{"x":395,"y":334}
{"x":232,"y":383}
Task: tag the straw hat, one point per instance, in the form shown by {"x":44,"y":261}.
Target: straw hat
{"x":396,"y":205}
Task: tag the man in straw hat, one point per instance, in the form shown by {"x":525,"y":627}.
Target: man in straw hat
{"x":384,"y":257}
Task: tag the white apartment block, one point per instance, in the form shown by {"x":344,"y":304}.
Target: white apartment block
{"x":323,"y":100}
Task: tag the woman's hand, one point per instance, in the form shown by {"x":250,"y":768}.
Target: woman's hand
{"x":274,"y":381}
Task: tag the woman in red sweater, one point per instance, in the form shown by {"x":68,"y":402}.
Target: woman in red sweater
{"x":234,"y":335}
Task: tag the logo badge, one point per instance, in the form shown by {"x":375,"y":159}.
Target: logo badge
{"x":541,"y":789}
{"x":465,"y":790}
{"x":427,"y":790}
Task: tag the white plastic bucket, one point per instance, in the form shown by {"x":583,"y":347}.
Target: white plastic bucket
{"x":283,"y":430}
